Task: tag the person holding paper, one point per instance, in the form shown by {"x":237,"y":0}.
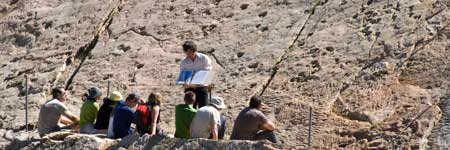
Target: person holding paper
{"x":196,"y":62}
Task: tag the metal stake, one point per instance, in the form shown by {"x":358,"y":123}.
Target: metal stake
{"x":26,"y":102}
{"x":107,"y":91}
{"x":310,"y":128}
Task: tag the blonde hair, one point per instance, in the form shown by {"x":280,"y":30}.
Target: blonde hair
{"x":155,"y":98}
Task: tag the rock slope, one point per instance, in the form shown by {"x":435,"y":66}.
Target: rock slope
{"x":367,"y":68}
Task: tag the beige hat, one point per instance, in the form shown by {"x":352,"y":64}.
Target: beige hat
{"x":218,"y":102}
{"x":115,"y":96}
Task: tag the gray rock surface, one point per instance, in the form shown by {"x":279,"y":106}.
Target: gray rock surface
{"x":384,"y":61}
{"x":67,"y":140}
{"x":164,"y":142}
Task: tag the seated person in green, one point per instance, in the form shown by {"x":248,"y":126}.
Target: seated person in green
{"x":252,"y":124}
{"x":54,"y":112}
{"x":106,"y":110}
{"x":184,"y":113}
{"x":89,"y":110}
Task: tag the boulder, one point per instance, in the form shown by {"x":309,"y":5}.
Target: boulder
{"x":72,"y":141}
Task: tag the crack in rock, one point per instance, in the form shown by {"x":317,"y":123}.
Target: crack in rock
{"x":83,"y":52}
{"x":141,"y":31}
{"x":211,"y":52}
{"x":276,"y":66}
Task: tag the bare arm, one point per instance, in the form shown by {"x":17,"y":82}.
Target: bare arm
{"x":71,"y":117}
{"x":215,"y":133}
{"x":154,"y":116}
{"x":65,"y":121}
{"x":268,"y":126}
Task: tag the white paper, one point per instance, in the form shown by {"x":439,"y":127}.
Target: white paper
{"x":202,"y":77}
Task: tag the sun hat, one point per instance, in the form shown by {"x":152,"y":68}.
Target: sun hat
{"x":93,"y":92}
{"x":115,"y":96}
{"x":218,"y":102}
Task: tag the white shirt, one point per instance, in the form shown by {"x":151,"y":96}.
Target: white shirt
{"x":205,"y":117}
{"x":201,"y":62}
{"x":49,"y":116}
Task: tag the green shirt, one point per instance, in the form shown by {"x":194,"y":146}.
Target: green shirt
{"x":183,"y":117}
{"x":88,"y":113}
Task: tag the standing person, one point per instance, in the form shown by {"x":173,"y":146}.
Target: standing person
{"x":184,"y":113}
{"x":55,"y":111}
{"x":196,"y":61}
{"x":89,"y":110}
{"x":106,"y":110}
{"x":207,"y":121}
{"x":124,"y":116}
{"x":252,"y":124}
{"x":148,"y":115}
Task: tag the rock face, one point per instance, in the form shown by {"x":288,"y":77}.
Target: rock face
{"x":366,"y":67}
{"x":67,"y":140}
{"x":164,"y":142}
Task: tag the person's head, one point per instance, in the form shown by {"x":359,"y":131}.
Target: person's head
{"x":155,"y":99}
{"x":189,"y":49}
{"x":189,"y":97}
{"x":218,"y":103}
{"x":132,"y":100}
{"x":59,"y":93}
{"x":255,"y":102}
{"x":113,"y":98}
{"x":94,"y":93}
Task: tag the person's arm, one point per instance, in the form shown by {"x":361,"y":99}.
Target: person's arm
{"x":268,"y":126}
{"x":71,"y":117}
{"x":183,"y":64}
{"x":215,"y":131}
{"x":264,"y":122}
{"x":207,"y":64}
{"x":66,"y":113}
{"x":215,"y":125}
{"x":65,"y":121}
{"x":154,"y":117}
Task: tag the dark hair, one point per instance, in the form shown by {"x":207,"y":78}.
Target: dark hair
{"x":107,"y":101}
{"x":189,"y":45}
{"x":255,"y":102}
{"x":56,"y":91}
{"x":133,"y":97}
{"x":189,"y":97}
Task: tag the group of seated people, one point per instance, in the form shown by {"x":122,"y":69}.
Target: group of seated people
{"x":116,"y":116}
